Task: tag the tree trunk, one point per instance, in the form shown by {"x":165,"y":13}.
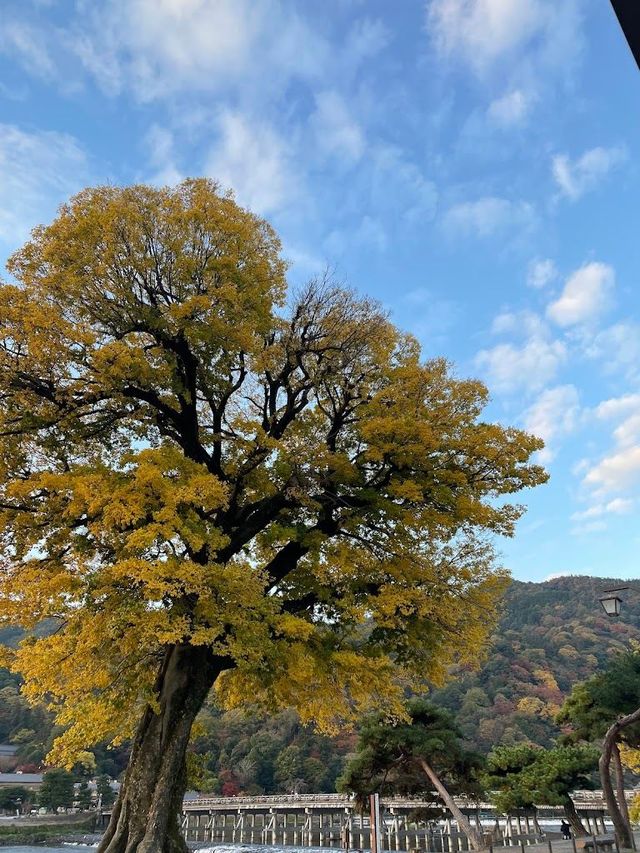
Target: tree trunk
{"x":573,"y":818}
{"x":622,"y":828}
{"x":146,"y":816}
{"x":619,"y":774}
{"x":475,"y":838}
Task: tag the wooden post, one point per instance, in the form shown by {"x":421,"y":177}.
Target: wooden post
{"x":376,"y":835}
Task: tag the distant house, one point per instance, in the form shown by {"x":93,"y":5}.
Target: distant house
{"x":27,"y":780}
{"x":8,"y":750}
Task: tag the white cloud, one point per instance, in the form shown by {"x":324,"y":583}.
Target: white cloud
{"x":628,"y":432}
{"x":541,"y":272}
{"x":530,"y":366}
{"x":618,"y":471}
{"x":576,"y":177}
{"x":522,"y":323}
{"x":37,"y":172}
{"x":336,"y":132}
{"x":585,"y":295}
{"x":554,"y":414}
{"x":28,"y":45}
{"x":617,"y":347}
{"x":162,"y":46}
{"x":527,"y":41}
{"x":618,"y":406}
{"x":481,"y":31}
{"x":511,"y":109}
{"x":617,"y":506}
{"x":159,"y":143}
{"x":488,"y":216}
{"x":253,"y":160}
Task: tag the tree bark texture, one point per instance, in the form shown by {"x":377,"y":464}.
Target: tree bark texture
{"x":475,"y":838}
{"x":573,"y":818}
{"x":619,"y":776}
{"x":609,"y":745}
{"x":146,"y":815}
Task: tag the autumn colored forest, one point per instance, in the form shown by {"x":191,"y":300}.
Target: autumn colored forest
{"x":551,"y":636}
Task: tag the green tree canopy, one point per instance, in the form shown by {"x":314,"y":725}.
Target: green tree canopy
{"x":13,"y":797}
{"x":523,"y":776}
{"x":104,"y":791}
{"x":389,"y":753}
{"x":594,"y":704}
{"x":57,"y":790}
{"x":423,"y":755}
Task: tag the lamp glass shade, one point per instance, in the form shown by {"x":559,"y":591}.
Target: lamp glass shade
{"x":611,"y":604}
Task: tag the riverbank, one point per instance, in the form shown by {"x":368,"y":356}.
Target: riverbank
{"x":51,"y":830}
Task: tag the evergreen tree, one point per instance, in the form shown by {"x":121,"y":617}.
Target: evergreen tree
{"x":422,"y":756}
{"x":57,"y":790}
{"x":14,"y":797}
{"x":105,"y":793}
{"x":525,"y":776}
{"x":83,"y":795}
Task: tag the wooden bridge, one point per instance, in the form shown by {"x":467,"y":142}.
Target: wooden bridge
{"x":334,"y":821}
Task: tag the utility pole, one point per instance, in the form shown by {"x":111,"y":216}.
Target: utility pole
{"x":628,"y":14}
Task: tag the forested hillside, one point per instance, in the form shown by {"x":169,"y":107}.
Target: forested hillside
{"x":551,"y":635}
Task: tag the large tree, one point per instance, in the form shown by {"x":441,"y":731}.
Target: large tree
{"x":206,"y":482}
{"x":423,"y":755}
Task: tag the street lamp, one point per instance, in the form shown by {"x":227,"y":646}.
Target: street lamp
{"x":611,"y":601}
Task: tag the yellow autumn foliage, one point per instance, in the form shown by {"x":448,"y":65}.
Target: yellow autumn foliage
{"x":189,"y":462}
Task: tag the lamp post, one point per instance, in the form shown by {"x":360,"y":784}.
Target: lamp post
{"x":611,"y":601}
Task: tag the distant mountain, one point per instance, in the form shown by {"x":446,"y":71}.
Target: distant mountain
{"x":551,"y":636}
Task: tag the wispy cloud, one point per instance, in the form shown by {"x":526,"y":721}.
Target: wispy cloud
{"x":489,"y":216}
{"x":576,"y":177}
{"x":28,"y":44}
{"x":617,"y":348}
{"x":531,"y":42}
{"x":337,"y":133}
{"x":553,"y":415}
{"x":541,"y":272}
{"x":37,"y":172}
{"x":482,"y":31}
{"x":511,"y":109}
{"x":617,"y":506}
{"x":160,"y":146}
{"x":160,"y":47}
{"x":252,"y":158}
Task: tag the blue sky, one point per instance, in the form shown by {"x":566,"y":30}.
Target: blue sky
{"x":473,"y":164}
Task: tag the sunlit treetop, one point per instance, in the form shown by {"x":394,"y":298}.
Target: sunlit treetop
{"x":190,"y":456}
